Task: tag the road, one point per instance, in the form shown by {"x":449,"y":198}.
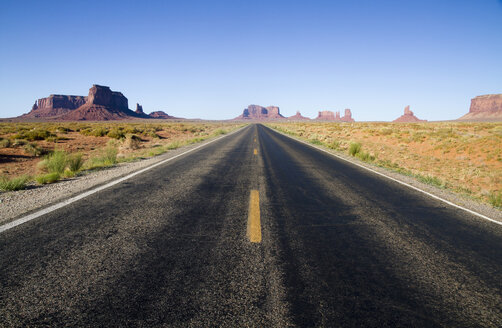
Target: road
{"x":336,"y":246}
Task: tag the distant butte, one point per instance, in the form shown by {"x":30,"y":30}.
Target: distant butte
{"x":327,"y":115}
{"x":255,"y":112}
{"x":298,"y":117}
{"x":408,"y":117}
{"x":485,"y":108}
{"x":101,"y":104}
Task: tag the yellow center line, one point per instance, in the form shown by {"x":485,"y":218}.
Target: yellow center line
{"x":256,"y":151}
{"x":254,"y":225}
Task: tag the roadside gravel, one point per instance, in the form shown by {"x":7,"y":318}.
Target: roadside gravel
{"x":15,"y":204}
{"x":448,"y":195}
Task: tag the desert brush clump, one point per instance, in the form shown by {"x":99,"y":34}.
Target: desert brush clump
{"x":13,"y":184}
{"x":354,"y":148}
{"x":48,"y":178}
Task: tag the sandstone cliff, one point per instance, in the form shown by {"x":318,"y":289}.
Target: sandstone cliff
{"x":486,"y":107}
{"x":55,"y":105}
{"x":102,"y":104}
{"x":327,"y":115}
{"x":255,"y":112}
{"x":408,"y":117}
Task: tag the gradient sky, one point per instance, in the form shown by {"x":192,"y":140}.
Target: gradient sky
{"x":211,"y":59}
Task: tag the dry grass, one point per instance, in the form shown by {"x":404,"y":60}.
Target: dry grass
{"x":463,"y":157}
{"x":74,"y":146}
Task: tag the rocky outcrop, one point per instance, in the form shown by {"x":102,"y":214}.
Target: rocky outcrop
{"x":55,"y":105}
{"x":327,"y":115}
{"x":139,"y":109}
{"x":408,"y":117}
{"x":298,"y":117}
{"x":485,"y":108}
{"x":102,"y":104}
{"x":161,"y":115}
{"x":255,"y":112}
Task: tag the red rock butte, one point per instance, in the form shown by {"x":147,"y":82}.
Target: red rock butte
{"x":101,"y":104}
{"x":327,"y":115}
{"x":485,"y":108}
{"x":408,"y":117}
{"x":255,"y":112}
{"x":298,"y":117}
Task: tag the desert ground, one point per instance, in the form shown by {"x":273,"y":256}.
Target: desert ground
{"x":27,"y":148}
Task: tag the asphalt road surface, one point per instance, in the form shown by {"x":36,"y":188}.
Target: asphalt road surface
{"x":336,"y":246}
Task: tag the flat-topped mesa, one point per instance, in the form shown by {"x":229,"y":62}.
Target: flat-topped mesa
{"x":139,"y":109}
{"x":485,"y":108}
{"x":55,"y":105}
{"x":103,"y":96}
{"x":408,"y":117}
{"x":161,"y":115}
{"x":298,"y":117}
{"x":256,"y":112}
{"x":326,"y":115}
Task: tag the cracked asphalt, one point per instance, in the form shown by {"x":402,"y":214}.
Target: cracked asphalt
{"x":340,"y":247}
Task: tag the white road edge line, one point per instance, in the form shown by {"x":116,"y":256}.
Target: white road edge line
{"x":400,"y":182}
{"x":73,"y":199}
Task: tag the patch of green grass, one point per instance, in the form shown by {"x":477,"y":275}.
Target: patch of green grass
{"x":116,"y":133}
{"x":48,"y":178}
{"x":316,"y":142}
{"x":495,"y":199}
{"x":173,"y":145}
{"x":219,"y":132}
{"x":13,"y":184}
{"x":430,"y":180}
{"x":364,"y":156}
{"x":335,"y":145}
{"x":354,"y":148}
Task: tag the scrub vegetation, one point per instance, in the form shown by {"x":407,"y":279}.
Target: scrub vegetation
{"x":41,"y":153}
{"x":463,"y":157}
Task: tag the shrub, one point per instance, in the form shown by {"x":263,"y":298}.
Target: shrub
{"x":56,"y":162}
{"x":110,"y":154}
{"x":47,"y":178}
{"x":116,"y":134}
{"x":132,"y":142}
{"x":75,"y":162}
{"x":33,"y":150}
{"x":13,"y":184}
{"x":495,"y":199}
{"x":315,"y":142}
{"x":334,"y":145}
{"x":354,"y":148}
{"x":219,"y":131}
{"x":366,"y":157}
{"x":430,"y":180}
{"x":5,"y":143}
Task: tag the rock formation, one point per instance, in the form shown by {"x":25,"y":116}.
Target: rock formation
{"x":161,"y":115}
{"x":55,"y":105}
{"x":255,"y":112}
{"x":485,"y":108}
{"x":298,"y":117}
{"x":101,"y":104}
{"x":139,"y":109}
{"x":408,"y":117}
{"x":327,"y":115}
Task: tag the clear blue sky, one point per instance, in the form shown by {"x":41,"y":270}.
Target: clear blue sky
{"x":210,"y":59}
